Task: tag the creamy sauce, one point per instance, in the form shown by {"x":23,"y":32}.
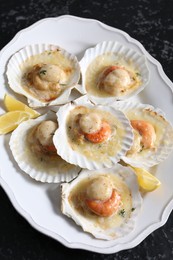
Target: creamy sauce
{"x":97,"y":152}
{"x":39,"y":82}
{"x":97,"y":66}
{"x":77,"y":197}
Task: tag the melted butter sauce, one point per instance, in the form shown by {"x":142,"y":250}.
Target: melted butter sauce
{"x":48,"y":57}
{"x":99,"y":64}
{"x":96,"y":152}
{"x":77,"y":198}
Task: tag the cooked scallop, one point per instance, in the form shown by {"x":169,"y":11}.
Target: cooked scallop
{"x":44,"y":73}
{"x":105,"y":203}
{"x":34,"y":151}
{"x":112,"y":71}
{"x":91,"y":136}
{"x":153,"y":134}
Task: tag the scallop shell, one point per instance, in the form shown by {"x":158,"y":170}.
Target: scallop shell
{"x":70,"y":155}
{"x":17,"y":64}
{"x":119,"y":52}
{"x":153,"y":115}
{"x":36,"y":168}
{"x":87,"y":224}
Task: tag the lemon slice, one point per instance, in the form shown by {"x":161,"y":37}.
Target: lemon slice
{"x":146,"y":180}
{"x":13,"y":104}
{"x":10,"y":120}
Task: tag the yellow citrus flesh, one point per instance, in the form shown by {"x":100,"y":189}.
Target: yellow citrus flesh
{"x":13,"y":104}
{"x":146,"y":180}
{"x":10,"y":120}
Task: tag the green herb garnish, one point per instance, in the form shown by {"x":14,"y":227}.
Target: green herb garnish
{"x":122,"y":213}
{"x":42,"y":72}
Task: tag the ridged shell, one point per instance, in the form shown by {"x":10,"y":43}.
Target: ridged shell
{"x":16,"y":66}
{"x":88,"y":225}
{"x":118,"y":51}
{"x":70,"y":155}
{"x":32,"y":165}
{"x":164,"y":147}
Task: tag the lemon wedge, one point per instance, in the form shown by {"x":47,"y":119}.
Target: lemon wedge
{"x":13,"y":104}
{"x":10,"y":120}
{"x":146,"y":180}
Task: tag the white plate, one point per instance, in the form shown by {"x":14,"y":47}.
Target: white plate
{"x":40,"y":203}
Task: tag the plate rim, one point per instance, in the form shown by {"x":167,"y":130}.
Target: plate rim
{"x":76,"y":245}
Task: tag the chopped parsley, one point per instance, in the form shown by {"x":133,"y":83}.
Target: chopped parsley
{"x":122,"y":213}
{"x":42,"y":72}
{"x":132,"y":209}
{"x":142,"y":147}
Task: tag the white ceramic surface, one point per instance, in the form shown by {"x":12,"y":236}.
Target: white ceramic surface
{"x":78,"y":34}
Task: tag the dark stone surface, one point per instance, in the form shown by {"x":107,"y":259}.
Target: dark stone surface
{"x":150,"y":22}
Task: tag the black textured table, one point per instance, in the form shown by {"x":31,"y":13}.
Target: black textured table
{"x":150,"y":22}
